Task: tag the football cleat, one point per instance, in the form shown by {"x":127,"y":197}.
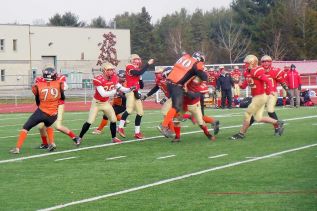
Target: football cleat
{"x":116,"y":140}
{"x":138,"y":136}
{"x":51,"y":147}
{"x":43,"y":146}
{"x":166,"y":131}
{"x":237,"y":136}
{"x":15,"y":150}
{"x":121,"y":132}
{"x":176,"y":140}
{"x":215,"y":126}
{"x":77,"y":140}
{"x":280,"y":127}
{"x":96,"y":132}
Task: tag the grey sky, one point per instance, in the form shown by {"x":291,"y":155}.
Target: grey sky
{"x":27,"y":11}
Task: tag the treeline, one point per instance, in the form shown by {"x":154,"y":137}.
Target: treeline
{"x":284,"y":29}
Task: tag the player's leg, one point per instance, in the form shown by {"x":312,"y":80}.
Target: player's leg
{"x":94,"y":108}
{"x":43,"y":134}
{"x":138,"y":119}
{"x":110,"y":113}
{"x":130,"y":106}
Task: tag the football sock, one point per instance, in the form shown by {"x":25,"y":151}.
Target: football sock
{"x":50,"y":135}
{"x":84,"y":129}
{"x":169,"y":117}
{"x":137,"y":121}
{"x":71,"y":134}
{"x":273,"y":115}
{"x":44,"y":140}
{"x":186,"y":116}
{"x":171,"y":126}
{"x":205,"y":129}
{"x":113,"y":129}
{"x":137,"y":129}
{"x":22,"y":137}
{"x":102,"y":124}
{"x":208,"y":119}
{"x":177,"y":132}
{"x":251,"y":120}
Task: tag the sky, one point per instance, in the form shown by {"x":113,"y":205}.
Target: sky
{"x":32,"y":11}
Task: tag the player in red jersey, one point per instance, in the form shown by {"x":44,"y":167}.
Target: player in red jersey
{"x":106,"y":85}
{"x":260,"y":86}
{"x":195,"y":88}
{"x":213,"y":76}
{"x":275,"y":75}
{"x":133,"y":74}
{"x":58,"y":123}
{"x":236,"y":76}
{"x":47,"y":94}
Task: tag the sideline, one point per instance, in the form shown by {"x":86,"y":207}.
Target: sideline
{"x":129,"y":141}
{"x":176,"y":178}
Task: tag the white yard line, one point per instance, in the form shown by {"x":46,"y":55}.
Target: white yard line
{"x":65,"y":158}
{"x":161,"y":182}
{"x":126,"y":142}
{"x":168,"y":156}
{"x":114,"y":158}
{"x":217,"y":156}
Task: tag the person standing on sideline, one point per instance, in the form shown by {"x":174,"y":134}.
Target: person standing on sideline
{"x":294,"y":84}
{"x":225,"y":84}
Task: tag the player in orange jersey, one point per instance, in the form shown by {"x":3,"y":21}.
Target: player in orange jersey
{"x":47,"y":95}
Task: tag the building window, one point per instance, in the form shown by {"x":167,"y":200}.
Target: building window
{"x":15,"y":42}
{"x":1,"y":44}
{"x":82,"y":56}
{"x":2,"y":75}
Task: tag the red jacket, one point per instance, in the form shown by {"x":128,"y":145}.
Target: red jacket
{"x":293,"y":79}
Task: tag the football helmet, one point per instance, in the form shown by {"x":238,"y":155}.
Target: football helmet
{"x":107,"y":69}
{"x":136,"y":60}
{"x":166,"y":72}
{"x":49,"y":74}
{"x":266,"y":61}
{"x":293,"y":67}
{"x":158,"y":73}
{"x":236,"y":68}
{"x":121,"y":75}
{"x":198,"y":56}
{"x":250,"y":61}
{"x":211,"y":69}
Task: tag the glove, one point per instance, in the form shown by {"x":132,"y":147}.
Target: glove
{"x":132,"y":88}
{"x":143,"y":97}
{"x":163,"y":101}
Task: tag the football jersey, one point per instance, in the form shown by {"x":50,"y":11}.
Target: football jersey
{"x":107,"y":84}
{"x":132,"y":80}
{"x":212,"y":78}
{"x":49,"y":93}
{"x":235,"y":75}
{"x":195,"y":85}
{"x":255,"y":80}
{"x":163,"y":86}
{"x":275,"y":75}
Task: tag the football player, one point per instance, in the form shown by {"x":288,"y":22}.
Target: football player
{"x":236,"y":76}
{"x":106,"y":85}
{"x":195,"y":88}
{"x":133,"y":74}
{"x":261,"y":87}
{"x":47,"y":96}
{"x":184,"y":69}
{"x":118,"y":104}
{"x":275,"y":75}
{"x":58,"y":123}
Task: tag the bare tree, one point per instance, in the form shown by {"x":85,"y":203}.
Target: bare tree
{"x":232,"y":40}
{"x":108,"y":52}
{"x":277,"y":48}
{"x":175,"y":41}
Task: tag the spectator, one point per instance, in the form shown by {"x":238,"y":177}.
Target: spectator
{"x":294,"y":83}
{"x":225,"y":83}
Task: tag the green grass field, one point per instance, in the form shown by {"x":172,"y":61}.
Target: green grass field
{"x":261,"y":172}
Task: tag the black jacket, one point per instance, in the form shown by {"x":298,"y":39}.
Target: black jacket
{"x":225,"y":82}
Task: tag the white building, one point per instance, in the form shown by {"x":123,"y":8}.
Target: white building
{"x":25,"y":49}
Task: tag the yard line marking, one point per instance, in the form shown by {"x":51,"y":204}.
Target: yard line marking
{"x":175,"y":178}
{"x":65,"y":158}
{"x":271,"y":157}
{"x":114,"y":158}
{"x":218,"y":156}
{"x":251,"y":157}
{"x":125,"y":142}
{"x":168,"y":156}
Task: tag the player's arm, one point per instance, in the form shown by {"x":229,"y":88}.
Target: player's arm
{"x":199,"y":71}
{"x":36,"y":94}
{"x":123,"y":89}
{"x":105,"y":93}
{"x":152,"y":91}
{"x":146,"y":66}
{"x":244,"y":84}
